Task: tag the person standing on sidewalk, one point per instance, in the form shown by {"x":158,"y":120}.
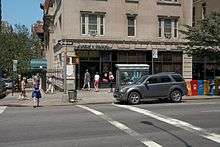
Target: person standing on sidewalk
{"x":22,"y":96}
{"x":50,"y":85}
{"x":87,"y":80}
{"x":96,"y":82}
{"x":36,"y":94}
{"x":111,"y":78}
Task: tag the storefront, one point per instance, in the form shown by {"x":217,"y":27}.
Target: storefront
{"x":102,"y":55}
{"x":104,"y":61}
{"x":205,"y":69}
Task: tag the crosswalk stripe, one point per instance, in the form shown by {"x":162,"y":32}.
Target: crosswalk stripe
{"x":2,"y":109}
{"x":123,"y":127}
{"x":175,"y":122}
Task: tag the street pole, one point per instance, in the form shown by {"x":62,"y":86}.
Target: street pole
{"x":65,"y":70}
{"x":152,"y":70}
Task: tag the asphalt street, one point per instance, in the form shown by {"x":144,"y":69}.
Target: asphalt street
{"x":190,"y":124}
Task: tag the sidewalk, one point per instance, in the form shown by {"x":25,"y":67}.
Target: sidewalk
{"x":83,"y":98}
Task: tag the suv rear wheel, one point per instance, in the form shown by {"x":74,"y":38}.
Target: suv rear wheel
{"x":176,"y":96}
{"x":134,"y":98}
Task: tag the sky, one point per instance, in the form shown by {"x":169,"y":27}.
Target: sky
{"x":23,"y":12}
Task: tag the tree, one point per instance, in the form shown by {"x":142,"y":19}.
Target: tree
{"x":17,"y":44}
{"x":204,"y":40}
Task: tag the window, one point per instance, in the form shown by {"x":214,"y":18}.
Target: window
{"x":193,"y":16}
{"x":92,"y":24}
{"x":177,"y":78}
{"x":160,"y":30}
{"x":131,"y":26}
{"x":101,"y":25}
{"x":167,"y":28}
{"x":203,"y":10}
{"x":83,"y":24}
{"x":165,"y":79}
{"x":153,"y":80}
{"x":175,"y":28}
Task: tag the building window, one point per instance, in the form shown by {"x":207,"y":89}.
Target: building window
{"x":83,"y":24}
{"x":92,"y":24}
{"x":193,"y":16}
{"x":203,"y":10}
{"x":160,"y":30}
{"x":131,"y":26}
{"x":101,"y":25}
{"x":168,"y":28}
{"x":175,"y":28}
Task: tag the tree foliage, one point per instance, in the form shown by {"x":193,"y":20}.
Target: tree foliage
{"x":17,"y":44}
{"x":203,"y":40}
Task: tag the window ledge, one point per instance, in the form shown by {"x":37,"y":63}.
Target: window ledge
{"x":132,"y":1}
{"x":169,"y":3}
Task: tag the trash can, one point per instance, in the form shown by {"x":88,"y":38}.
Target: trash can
{"x":72,"y":94}
{"x":212,"y":87}
{"x":194,"y":86}
{"x":200,"y":87}
{"x":206,"y":87}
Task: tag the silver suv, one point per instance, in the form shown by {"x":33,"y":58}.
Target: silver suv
{"x":160,"y":86}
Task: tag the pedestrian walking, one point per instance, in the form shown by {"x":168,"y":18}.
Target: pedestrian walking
{"x":111,"y":78}
{"x":50,"y":85}
{"x":87,"y":80}
{"x":22,"y":95}
{"x":36,"y":94}
{"x":96,"y":82}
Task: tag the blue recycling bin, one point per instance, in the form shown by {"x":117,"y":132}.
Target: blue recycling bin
{"x":212,"y":87}
{"x":200,"y":87}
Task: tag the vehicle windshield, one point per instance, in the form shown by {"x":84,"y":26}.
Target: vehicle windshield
{"x":140,"y":80}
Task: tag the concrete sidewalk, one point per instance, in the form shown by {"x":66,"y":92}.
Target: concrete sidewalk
{"x":83,"y":98}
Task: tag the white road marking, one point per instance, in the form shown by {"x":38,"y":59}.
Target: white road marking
{"x":211,"y":111}
{"x":123,"y":127}
{"x":175,"y":122}
{"x":2,"y":109}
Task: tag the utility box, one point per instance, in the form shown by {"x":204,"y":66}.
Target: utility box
{"x":129,"y":73}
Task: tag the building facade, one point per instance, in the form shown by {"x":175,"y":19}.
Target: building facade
{"x":97,"y":34}
{"x":205,"y":68}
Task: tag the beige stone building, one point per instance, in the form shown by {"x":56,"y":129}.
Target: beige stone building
{"x":102,"y":33}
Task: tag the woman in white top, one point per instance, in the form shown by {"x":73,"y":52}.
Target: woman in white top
{"x":96,"y":82}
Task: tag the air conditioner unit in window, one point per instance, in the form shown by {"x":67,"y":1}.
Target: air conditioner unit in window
{"x":93,"y":33}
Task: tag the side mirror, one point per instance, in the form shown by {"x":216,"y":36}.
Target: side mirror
{"x":146,"y":83}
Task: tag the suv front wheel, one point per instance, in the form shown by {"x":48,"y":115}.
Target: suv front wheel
{"x":176,"y":96}
{"x":134,"y":98}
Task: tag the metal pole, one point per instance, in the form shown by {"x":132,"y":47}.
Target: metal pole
{"x":152,"y":69}
{"x":65,"y":81}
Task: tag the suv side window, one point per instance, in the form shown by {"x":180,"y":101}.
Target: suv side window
{"x":177,"y":78}
{"x":165,"y":79}
{"x":153,"y":80}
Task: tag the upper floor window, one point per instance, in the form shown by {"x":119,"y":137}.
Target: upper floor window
{"x":168,"y":28}
{"x":92,"y":24}
{"x":203,"y":10}
{"x":131,"y":25}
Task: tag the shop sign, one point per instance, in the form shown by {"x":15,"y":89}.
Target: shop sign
{"x":155,"y":53}
{"x":93,"y":47}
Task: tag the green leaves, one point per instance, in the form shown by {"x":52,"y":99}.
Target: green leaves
{"x":17,"y":44}
{"x":204,"y":39}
